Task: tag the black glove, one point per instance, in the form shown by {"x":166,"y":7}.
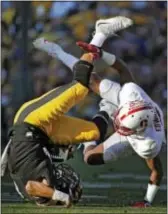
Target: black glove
{"x":82,"y":71}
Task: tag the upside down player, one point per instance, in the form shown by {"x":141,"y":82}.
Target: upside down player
{"x":41,"y":128}
{"x":137,"y":119}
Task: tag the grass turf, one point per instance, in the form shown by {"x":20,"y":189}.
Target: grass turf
{"x":32,"y":209}
{"x":117,"y":199}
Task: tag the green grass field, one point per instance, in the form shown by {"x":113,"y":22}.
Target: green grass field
{"x":107,"y":189}
{"x":32,"y":209}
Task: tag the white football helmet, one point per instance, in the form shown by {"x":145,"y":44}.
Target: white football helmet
{"x":134,"y":117}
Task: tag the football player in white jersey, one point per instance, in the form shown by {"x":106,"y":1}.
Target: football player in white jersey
{"x":138,"y":121}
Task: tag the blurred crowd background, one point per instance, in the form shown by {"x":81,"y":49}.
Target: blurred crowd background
{"x":143,"y":47}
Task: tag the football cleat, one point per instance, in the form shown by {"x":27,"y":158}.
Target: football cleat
{"x":96,"y":51}
{"x":109,"y":27}
{"x":49,"y":47}
{"x":141,"y":204}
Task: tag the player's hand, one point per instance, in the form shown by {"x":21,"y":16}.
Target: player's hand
{"x":96,"y":51}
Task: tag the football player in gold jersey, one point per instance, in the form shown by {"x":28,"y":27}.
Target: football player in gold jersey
{"x":41,"y":125}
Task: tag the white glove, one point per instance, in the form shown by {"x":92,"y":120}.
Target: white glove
{"x":108,"y":107}
{"x":63,"y":197}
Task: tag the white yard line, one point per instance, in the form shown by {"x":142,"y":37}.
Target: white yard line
{"x":15,"y":198}
{"x":125,"y":185}
{"x":106,"y":185}
{"x":125,"y":175}
{"x":95,"y":196}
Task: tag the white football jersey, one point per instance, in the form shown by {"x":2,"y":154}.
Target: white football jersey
{"x":155,"y":134}
{"x":149,"y":143}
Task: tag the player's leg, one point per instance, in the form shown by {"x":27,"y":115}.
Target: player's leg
{"x":46,"y":112}
{"x":58,"y":101}
{"x":56,"y":51}
{"x":69,"y":60}
{"x":114,"y":148}
{"x":155,"y":166}
{"x":150,"y":154}
{"x":104,"y":29}
{"x":156,"y":169}
{"x":52,"y":104}
{"x":71,"y":130}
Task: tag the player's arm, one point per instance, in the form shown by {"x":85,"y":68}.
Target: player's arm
{"x":39,"y":189}
{"x":155,"y":167}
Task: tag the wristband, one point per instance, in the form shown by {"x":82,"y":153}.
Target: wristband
{"x":60,"y":196}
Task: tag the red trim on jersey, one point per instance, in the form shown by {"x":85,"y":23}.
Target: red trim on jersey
{"x":135,"y":110}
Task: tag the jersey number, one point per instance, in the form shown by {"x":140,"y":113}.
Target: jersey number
{"x":157,"y":121}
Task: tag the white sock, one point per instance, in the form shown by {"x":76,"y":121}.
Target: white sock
{"x":108,"y":58}
{"x":67,"y":59}
{"x":151,"y":192}
{"x":98,"y":39}
{"x":60,"y":196}
{"x":56,"y":51}
{"x":86,"y":145}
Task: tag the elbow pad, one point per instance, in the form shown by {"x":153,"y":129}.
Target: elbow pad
{"x":82,"y":71}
